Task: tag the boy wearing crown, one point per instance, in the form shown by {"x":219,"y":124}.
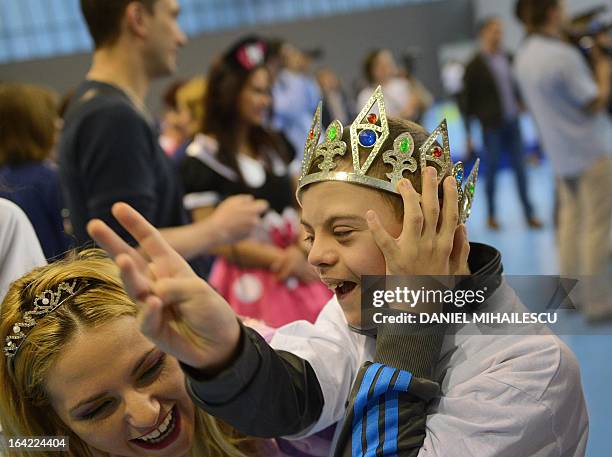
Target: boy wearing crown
{"x":429,"y":391}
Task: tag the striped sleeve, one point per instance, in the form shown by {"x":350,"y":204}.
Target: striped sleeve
{"x":387,"y":408}
{"x":386,"y":414}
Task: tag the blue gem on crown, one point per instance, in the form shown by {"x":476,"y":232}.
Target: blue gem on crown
{"x":460,"y":176}
{"x":367,"y":138}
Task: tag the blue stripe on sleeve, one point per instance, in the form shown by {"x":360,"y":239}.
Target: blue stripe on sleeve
{"x":360,"y":403}
{"x":369,"y":407}
{"x":403,"y":381}
{"x":391,"y":424}
{"x":382,"y":385}
{"x":392,"y":413}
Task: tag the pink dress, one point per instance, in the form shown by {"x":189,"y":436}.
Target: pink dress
{"x":256,"y":293}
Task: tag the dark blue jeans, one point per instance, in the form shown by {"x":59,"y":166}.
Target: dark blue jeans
{"x":496,"y":141}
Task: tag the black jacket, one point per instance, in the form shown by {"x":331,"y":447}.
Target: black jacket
{"x":481,"y":97}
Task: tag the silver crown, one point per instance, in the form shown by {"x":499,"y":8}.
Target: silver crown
{"x":370,"y":131}
{"x":44,"y":303}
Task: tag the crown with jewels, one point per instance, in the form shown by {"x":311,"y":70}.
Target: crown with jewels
{"x":44,"y":304}
{"x":370,"y":131}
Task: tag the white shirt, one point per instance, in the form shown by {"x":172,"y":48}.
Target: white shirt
{"x":501,"y":395}
{"x":20,"y":251}
{"x":557,"y":85}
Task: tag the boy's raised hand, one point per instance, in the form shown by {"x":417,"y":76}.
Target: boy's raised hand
{"x":179,"y":311}
{"x":431,"y":243}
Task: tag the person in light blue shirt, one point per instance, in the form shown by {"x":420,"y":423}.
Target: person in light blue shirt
{"x":568,"y":101}
{"x":295,"y":95}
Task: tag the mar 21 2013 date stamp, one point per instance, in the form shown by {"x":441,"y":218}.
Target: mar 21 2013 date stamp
{"x":34,"y":443}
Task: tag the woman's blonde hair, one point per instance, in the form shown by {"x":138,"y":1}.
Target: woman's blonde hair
{"x":28,"y":127}
{"x":24,"y":404}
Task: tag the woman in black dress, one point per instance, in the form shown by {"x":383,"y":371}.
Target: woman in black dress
{"x":266,"y":277}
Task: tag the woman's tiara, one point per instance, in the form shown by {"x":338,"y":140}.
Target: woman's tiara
{"x":44,"y":303}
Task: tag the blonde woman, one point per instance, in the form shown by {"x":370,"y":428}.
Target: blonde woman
{"x":84,"y":371}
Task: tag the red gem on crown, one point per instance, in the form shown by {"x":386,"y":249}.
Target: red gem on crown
{"x":437,"y":152}
{"x":311,"y":134}
{"x":372,"y":118}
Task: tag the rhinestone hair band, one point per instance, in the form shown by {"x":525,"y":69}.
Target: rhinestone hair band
{"x":370,"y":131}
{"x":44,"y":304}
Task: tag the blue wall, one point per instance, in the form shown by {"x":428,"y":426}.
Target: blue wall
{"x":44,"y":28}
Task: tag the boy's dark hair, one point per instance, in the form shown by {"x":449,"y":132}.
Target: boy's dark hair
{"x":103,"y":18}
{"x":536,"y":11}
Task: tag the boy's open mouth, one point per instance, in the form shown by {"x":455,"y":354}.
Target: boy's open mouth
{"x":344,"y":288}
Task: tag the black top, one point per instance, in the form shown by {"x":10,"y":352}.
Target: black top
{"x":272,"y":393}
{"x":109,"y":152}
{"x":207,"y":180}
{"x":35,"y":188}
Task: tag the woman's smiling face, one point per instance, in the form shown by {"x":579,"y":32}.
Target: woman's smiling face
{"x":120,"y":394}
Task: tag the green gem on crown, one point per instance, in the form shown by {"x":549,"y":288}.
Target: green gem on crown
{"x":471,"y":188}
{"x":405,"y":145}
{"x":332,"y":133}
